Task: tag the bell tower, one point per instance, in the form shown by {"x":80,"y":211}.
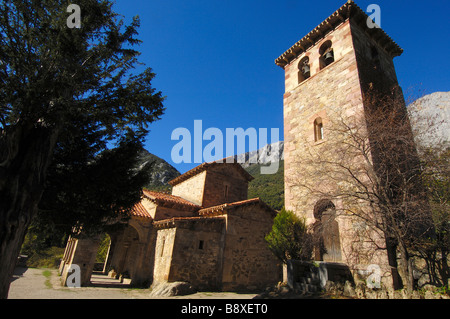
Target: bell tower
{"x":328,"y":72}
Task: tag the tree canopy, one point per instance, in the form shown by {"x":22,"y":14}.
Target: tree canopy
{"x":74,"y":110}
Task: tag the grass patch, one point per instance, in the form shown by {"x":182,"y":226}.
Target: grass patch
{"x":48,"y":258}
{"x":47,"y":274}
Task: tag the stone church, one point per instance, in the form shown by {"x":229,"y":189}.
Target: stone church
{"x":206,"y":233}
{"x":209,"y":234}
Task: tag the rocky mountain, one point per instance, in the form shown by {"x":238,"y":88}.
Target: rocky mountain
{"x":265,"y":155}
{"x":268,"y":187}
{"x":430,"y":120}
{"x":162,"y":172}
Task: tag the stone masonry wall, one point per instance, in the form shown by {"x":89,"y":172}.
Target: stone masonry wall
{"x":167,"y":213}
{"x":248,"y":263}
{"x":375,"y":65}
{"x":197,"y":253}
{"x":334,"y":89}
{"x":224,"y":185}
{"x":191,"y":189}
{"x":165,"y":239}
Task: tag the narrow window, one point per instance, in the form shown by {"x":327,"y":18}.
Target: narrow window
{"x":304,"y":70}
{"x":326,"y":54}
{"x":318,"y":129}
{"x":162,"y":246}
{"x":201,"y":244}
{"x":225,"y":192}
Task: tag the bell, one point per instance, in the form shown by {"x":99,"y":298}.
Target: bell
{"x":328,"y":57}
{"x":306,"y":70}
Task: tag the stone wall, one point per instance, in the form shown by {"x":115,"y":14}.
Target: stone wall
{"x":216,"y":185}
{"x":224,"y":185}
{"x":165,"y":239}
{"x":197,"y":252}
{"x":149,"y":206}
{"x":191,"y":189}
{"x":305,"y":275}
{"x":167,"y":213}
{"x":333,"y":89}
{"x":248,"y":263}
{"x":224,"y":252}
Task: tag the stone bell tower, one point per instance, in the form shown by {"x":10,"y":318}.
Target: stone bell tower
{"x":327,"y":72}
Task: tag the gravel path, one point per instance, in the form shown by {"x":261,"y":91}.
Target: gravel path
{"x":32,"y":283}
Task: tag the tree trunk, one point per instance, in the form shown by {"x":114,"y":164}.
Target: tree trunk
{"x":391,"y":248}
{"x":444,"y":269}
{"x":25,"y":154}
{"x":406,"y":269}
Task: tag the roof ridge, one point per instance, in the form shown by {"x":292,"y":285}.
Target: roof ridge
{"x":168,"y":198}
{"x":212,"y":209}
{"x":202,"y":167}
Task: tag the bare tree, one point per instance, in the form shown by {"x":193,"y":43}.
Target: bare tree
{"x":435,"y":251}
{"x":369,"y":163}
{"x":430,"y":128}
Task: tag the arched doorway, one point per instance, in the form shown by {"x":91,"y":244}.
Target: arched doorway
{"x":116,"y":257}
{"x":326,"y":230}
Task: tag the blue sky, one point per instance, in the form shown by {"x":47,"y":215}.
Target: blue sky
{"x":214,"y":60}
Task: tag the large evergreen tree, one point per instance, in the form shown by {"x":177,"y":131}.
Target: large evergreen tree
{"x":65,"y":91}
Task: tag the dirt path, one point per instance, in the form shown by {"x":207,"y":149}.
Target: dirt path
{"x":32,"y":283}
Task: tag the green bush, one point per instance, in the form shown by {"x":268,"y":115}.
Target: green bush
{"x":289,"y":238}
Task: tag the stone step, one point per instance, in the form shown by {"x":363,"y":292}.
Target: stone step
{"x":312,"y":275}
{"x":307,"y":288}
{"x":309,"y":280}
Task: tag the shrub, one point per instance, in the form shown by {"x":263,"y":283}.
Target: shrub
{"x":289,"y":238}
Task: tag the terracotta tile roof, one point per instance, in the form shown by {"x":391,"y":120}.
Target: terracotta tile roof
{"x":139,"y":211}
{"x":202,"y":167}
{"x":164,"y":199}
{"x":221,"y":209}
{"x":349,"y":10}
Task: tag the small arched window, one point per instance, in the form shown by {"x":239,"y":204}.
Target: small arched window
{"x":304,"y":70}
{"x":326,"y":54}
{"x":318,"y":129}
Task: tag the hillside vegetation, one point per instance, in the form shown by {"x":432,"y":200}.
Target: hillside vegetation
{"x":268,"y":187}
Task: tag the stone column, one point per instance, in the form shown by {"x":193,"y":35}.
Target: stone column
{"x":83,"y":253}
